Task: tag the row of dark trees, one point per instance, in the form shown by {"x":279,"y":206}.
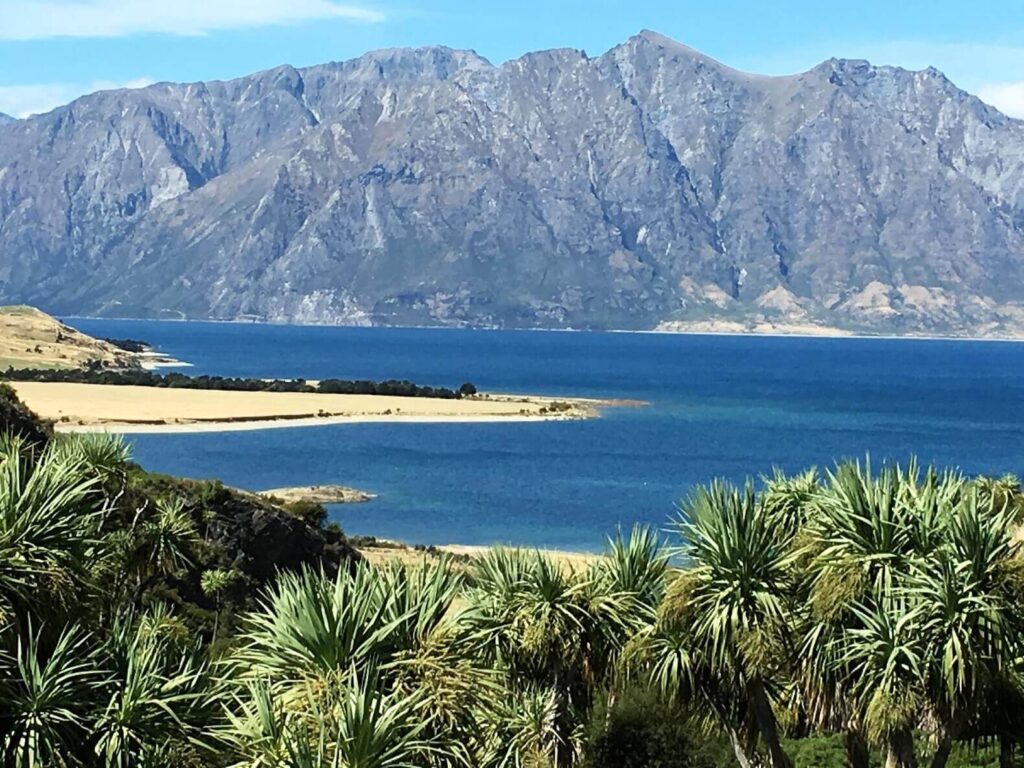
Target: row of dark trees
{"x":130,"y":345}
{"x":143,"y":378}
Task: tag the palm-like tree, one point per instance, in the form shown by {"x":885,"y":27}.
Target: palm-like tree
{"x":364,"y":651}
{"x":104,"y":455}
{"x":356,"y":724}
{"x":968,"y":616}
{"x":309,"y":625}
{"x":48,"y":689}
{"x":882,"y":654}
{"x":737,"y":596}
{"x":551,"y":628}
{"x":50,"y":514}
{"x":521,"y":731}
{"x":157,"y":697}
{"x":908,"y":618}
{"x":164,"y":540}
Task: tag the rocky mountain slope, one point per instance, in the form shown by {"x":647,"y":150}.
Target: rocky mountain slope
{"x":647,"y":186}
{"x":5,"y":118}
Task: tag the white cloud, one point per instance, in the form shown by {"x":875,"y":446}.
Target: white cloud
{"x":40,"y":19}
{"x":25,"y":100}
{"x":1008,"y":98}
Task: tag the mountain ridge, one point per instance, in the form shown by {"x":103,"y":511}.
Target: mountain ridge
{"x":648,"y":187}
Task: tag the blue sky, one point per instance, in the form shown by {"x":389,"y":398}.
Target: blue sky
{"x":54,"y":50}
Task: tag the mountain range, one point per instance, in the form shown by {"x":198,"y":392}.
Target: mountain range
{"x":648,"y":187}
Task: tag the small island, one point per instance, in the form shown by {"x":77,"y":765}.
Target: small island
{"x":318,"y":494}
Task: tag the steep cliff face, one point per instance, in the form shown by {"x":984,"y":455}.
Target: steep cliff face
{"x":650,"y":185}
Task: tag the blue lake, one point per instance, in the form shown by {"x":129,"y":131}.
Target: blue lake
{"x":719,"y":406}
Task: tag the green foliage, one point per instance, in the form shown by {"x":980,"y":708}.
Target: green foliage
{"x":50,"y":515}
{"x":640,"y":729}
{"x":853,"y":617}
{"x":310,"y":512}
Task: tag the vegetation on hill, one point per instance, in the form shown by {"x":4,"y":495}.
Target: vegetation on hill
{"x":819,"y":620}
{"x":130,"y":345}
{"x":142,"y":378}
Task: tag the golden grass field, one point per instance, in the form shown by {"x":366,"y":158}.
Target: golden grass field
{"x":137,"y":409}
{"x":30,"y":338}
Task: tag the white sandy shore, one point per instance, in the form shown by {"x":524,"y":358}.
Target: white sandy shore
{"x":805,"y":331}
{"x":135,"y":410}
{"x":287,"y":423}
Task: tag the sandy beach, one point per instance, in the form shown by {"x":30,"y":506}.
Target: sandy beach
{"x":129,"y":409}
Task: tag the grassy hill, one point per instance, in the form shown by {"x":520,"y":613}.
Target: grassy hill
{"x":30,"y":338}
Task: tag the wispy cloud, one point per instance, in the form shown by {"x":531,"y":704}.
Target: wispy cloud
{"x":26,"y":100}
{"x":1008,"y":98}
{"x":41,"y":19}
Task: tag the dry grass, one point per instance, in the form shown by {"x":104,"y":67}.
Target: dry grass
{"x":30,"y":338}
{"x":131,"y":408}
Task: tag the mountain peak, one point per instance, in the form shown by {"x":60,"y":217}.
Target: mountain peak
{"x":436,"y":61}
{"x":4,"y":119}
{"x":656,"y":39}
{"x":661,"y":45}
{"x":646,"y":186}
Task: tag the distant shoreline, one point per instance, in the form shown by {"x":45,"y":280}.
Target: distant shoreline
{"x":826,"y":332}
{"x":383,"y":551}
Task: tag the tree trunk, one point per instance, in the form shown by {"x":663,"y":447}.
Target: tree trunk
{"x":1005,"y":752}
{"x":900,"y":753}
{"x":766,"y":724}
{"x":942,"y":750}
{"x":857,"y":755}
{"x":563,"y":757}
{"x":737,"y":747}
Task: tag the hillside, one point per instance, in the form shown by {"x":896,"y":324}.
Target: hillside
{"x":650,"y":186}
{"x":30,"y":338}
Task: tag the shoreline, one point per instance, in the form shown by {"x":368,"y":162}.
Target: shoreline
{"x":253,"y":425}
{"x":826,"y":332}
{"x":831,"y":334}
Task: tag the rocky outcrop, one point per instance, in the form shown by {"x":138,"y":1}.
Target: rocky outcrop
{"x":648,"y":185}
{"x":318,"y":494}
{"x":245,"y":533}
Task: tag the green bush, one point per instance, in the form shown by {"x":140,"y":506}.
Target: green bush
{"x":639,"y":729}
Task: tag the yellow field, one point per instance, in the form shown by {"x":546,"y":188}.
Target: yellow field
{"x":136,"y":409}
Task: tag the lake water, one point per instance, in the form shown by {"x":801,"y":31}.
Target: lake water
{"x":718,"y":406}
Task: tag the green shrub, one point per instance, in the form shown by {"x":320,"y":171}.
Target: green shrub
{"x":639,"y":729}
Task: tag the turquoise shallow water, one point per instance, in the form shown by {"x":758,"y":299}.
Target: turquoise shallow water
{"x":719,"y":406}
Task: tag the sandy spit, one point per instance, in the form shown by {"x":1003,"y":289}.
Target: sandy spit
{"x":136,"y":410}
